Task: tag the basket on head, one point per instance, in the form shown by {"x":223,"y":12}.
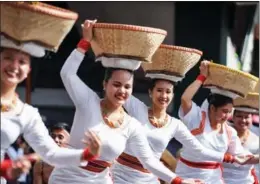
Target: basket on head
{"x":126,"y":41}
{"x":171,"y":62}
{"x":248,"y":104}
{"x":257,"y":88}
{"x":229,"y":82}
{"x":36,"y":22}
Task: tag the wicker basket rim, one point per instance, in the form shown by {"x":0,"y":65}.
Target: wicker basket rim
{"x":130,"y":28}
{"x":233,"y":71}
{"x":253,"y":94}
{"x":44,"y":9}
{"x":185,"y":49}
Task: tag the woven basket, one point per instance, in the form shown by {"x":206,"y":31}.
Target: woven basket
{"x":127,"y":41}
{"x":173,"y":60}
{"x":235,"y":81}
{"x":41,"y":23}
{"x":250,"y":101}
{"x":257,"y":88}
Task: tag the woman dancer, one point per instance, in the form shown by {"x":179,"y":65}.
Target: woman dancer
{"x":208,"y":125}
{"x":106,"y":117}
{"x":159,"y":128}
{"x":20,"y":118}
{"x":242,"y":120}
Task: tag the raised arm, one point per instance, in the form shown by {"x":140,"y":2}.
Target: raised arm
{"x":139,"y":144}
{"x":186,"y":98}
{"x":78,"y":91}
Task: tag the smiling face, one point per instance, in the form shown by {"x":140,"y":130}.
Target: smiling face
{"x":162,"y":93}
{"x":118,"y":87}
{"x":15,"y":66}
{"x":242,"y":120}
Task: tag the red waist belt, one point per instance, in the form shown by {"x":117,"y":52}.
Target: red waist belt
{"x":253,"y":173}
{"x":202,"y":165}
{"x":131,"y":162}
{"x":97,"y":166}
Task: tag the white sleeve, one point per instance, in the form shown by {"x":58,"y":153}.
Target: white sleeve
{"x":184,"y":136}
{"x":192,"y":118}
{"x":37,"y":136}
{"x":12,"y":154}
{"x":135,"y":108}
{"x":235,"y":147}
{"x":78,"y":91}
{"x":140,"y":146}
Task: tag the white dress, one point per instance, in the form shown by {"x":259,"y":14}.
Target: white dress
{"x":198,"y":166}
{"x":88,"y":116}
{"x":29,"y":123}
{"x":158,"y":140}
{"x":242,"y":174}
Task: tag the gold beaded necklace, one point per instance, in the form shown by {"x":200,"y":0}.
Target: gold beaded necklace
{"x":158,"y":123}
{"x":10,"y":106}
{"x":104,"y":111}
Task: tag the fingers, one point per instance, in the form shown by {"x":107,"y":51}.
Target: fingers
{"x":22,"y":165}
{"x":91,"y":139}
{"x":88,"y":23}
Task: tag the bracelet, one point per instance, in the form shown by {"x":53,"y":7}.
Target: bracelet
{"x":176,"y":180}
{"x":88,"y":156}
{"x":228,"y":158}
{"x":201,"y":78}
{"x":83,"y":44}
{"x":5,"y":165}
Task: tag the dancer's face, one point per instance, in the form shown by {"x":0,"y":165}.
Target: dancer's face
{"x":242,"y":120}
{"x":222,"y":113}
{"x":119,"y":87}
{"x":162,"y":94}
{"x":15,"y":66}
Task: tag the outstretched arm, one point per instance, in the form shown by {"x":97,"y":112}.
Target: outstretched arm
{"x":142,"y":150}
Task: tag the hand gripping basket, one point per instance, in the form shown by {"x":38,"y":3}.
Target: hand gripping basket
{"x":172,"y":62}
{"x":36,"y":22}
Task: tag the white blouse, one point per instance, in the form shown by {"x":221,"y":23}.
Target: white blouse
{"x":29,"y":123}
{"x":88,"y":116}
{"x":159,"y":137}
{"x":242,"y":174}
{"x":228,"y":141}
{"x":158,"y":140}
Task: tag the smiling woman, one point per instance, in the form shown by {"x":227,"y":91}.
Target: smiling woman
{"x":18,"y":117}
{"x":114,"y":78}
{"x":15,"y":66}
{"x":157,"y":125}
{"x":116,"y":129}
